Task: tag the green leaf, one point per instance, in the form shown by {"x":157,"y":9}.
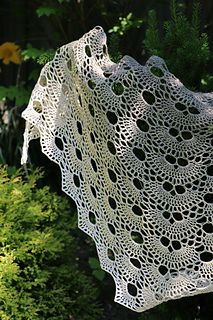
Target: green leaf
{"x":31,"y":53}
{"x":125,"y":24}
{"x":94,"y":263}
{"x":41,"y":56}
{"x":47,"y":11}
{"x":97,"y":271}
{"x":3,"y":93}
{"x":99,"y":274}
{"x":20,"y":94}
{"x":45,"y":57}
{"x":34,"y":74}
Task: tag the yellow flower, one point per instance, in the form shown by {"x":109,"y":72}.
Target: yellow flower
{"x":10,"y":52}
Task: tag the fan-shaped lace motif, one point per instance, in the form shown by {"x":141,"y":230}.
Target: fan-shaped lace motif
{"x":135,"y":151}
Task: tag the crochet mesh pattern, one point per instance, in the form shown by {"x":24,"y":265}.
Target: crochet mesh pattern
{"x":135,"y":151}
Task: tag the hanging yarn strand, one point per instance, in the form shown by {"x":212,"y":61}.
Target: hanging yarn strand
{"x":135,"y":149}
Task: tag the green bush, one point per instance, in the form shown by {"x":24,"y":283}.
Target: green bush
{"x":39,"y":275}
{"x":183,"y":45}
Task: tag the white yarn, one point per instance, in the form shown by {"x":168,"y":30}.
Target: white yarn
{"x":135,"y":151}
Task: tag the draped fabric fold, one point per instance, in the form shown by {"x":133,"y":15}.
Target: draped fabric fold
{"x":135,"y":151}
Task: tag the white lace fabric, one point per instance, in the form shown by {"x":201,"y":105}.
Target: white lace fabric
{"x":135,"y":151}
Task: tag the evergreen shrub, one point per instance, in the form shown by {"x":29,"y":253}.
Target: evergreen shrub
{"x":183,"y":45}
{"x":39,"y":274}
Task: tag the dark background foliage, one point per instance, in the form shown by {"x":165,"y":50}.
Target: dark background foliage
{"x":178,"y":31}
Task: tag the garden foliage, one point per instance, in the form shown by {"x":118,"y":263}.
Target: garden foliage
{"x":184,"y":46}
{"x":39,"y":273}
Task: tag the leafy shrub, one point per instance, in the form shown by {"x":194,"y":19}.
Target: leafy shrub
{"x":40,"y":277}
{"x":118,"y":31}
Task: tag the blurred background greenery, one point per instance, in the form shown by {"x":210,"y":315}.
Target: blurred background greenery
{"x":31,"y":31}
